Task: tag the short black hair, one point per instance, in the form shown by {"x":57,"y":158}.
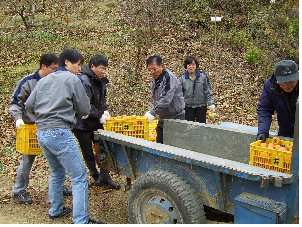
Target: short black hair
{"x":71,"y":55}
{"x":154,"y":58}
{"x":189,"y":60}
{"x":48,"y":59}
{"x":97,"y":60}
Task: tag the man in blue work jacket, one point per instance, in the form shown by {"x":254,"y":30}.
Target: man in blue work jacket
{"x":280,"y":94}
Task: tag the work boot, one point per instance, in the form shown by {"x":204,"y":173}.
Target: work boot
{"x":66,"y":191}
{"x":65,"y":212}
{"x":90,"y":221}
{"x":23,"y":198}
{"x":110,"y":183}
{"x":97,"y":182}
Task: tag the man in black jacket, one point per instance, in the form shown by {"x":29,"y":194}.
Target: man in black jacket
{"x":94,"y":82}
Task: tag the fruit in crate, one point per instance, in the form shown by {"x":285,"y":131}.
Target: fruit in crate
{"x":277,"y":144}
{"x":276,"y":141}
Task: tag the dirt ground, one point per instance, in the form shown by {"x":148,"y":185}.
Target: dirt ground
{"x":109,"y":206}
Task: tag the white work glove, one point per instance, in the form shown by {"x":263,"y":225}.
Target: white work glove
{"x":149,"y":116}
{"x":85,"y":117}
{"x":103,"y":119}
{"x":107,"y":113}
{"x":212,"y":108}
{"x":19,"y":122}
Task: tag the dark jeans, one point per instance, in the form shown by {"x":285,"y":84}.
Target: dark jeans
{"x":197,"y":114}
{"x":85,"y":138}
{"x":160,"y":128}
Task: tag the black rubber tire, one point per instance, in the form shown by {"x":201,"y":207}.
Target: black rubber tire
{"x":170,"y":189}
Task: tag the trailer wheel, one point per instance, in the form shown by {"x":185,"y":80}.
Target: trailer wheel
{"x":162,"y":197}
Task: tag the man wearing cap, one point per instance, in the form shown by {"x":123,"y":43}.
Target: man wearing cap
{"x":280,"y":94}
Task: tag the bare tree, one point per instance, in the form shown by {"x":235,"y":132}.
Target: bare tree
{"x":149,"y":20}
{"x":26,"y":9}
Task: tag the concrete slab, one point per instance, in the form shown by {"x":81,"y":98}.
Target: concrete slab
{"x":228,"y":143}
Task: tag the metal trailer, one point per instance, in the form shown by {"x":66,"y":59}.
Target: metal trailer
{"x":170,"y":184}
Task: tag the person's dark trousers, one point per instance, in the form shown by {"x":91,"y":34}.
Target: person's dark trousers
{"x":198,"y":113}
{"x":160,"y":128}
{"x":85,"y":138}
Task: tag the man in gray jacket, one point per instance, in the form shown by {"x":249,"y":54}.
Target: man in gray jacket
{"x":24,"y":87}
{"x":168,"y":100}
{"x":57,"y":101}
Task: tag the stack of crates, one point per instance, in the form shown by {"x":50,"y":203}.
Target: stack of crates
{"x":26,"y":141}
{"x":134,"y":126}
{"x":268,"y":158}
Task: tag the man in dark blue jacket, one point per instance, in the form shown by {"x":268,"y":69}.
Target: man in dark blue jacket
{"x":280,"y":94}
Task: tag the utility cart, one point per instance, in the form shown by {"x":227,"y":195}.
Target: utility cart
{"x":200,"y":165}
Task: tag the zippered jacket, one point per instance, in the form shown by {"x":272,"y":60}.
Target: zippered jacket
{"x":168,"y":100}
{"x":23,"y":89}
{"x":196,"y":93}
{"x":273,"y":98}
{"x":57,"y":100}
{"x":96,"y":91}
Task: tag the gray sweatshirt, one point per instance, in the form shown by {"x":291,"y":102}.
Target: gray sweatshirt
{"x":57,"y":100}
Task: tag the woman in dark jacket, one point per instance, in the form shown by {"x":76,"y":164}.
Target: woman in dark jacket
{"x":280,"y":94}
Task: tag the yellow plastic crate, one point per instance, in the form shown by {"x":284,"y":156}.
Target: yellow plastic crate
{"x":272,"y":159}
{"x":152,"y":130}
{"x":26,"y":141}
{"x":131,"y":126}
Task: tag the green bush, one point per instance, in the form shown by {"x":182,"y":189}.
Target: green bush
{"x":253,"y":56}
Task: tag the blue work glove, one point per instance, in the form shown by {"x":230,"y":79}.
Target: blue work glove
{"x":263,"y":136}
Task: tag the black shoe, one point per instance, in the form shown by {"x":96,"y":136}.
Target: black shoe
{"x":111,"y":184}
{"x":23,"y":198}
{"x":97,"y":183}
{"x":66,"y":191}
{"x":90,"y":221}
{"x":65,"y":212}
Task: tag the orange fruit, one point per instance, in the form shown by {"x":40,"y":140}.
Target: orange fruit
{"x":282,"y":149}
{"x":290,"y":149}
{"x":271,"y":145}
{"x":276,"y":141}
{"x":263,"y":144}
{"x":208,"y":111}
{"x":277,"y":147}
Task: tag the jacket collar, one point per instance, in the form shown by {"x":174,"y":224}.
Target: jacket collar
{"x":37,"y":75}
{"x":61,"y":68}
{"x":161,"y":76}
{"x":187,"y":74}
{"x":87,"y":71}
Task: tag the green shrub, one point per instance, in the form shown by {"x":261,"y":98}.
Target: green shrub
{"x":253,"y":56}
